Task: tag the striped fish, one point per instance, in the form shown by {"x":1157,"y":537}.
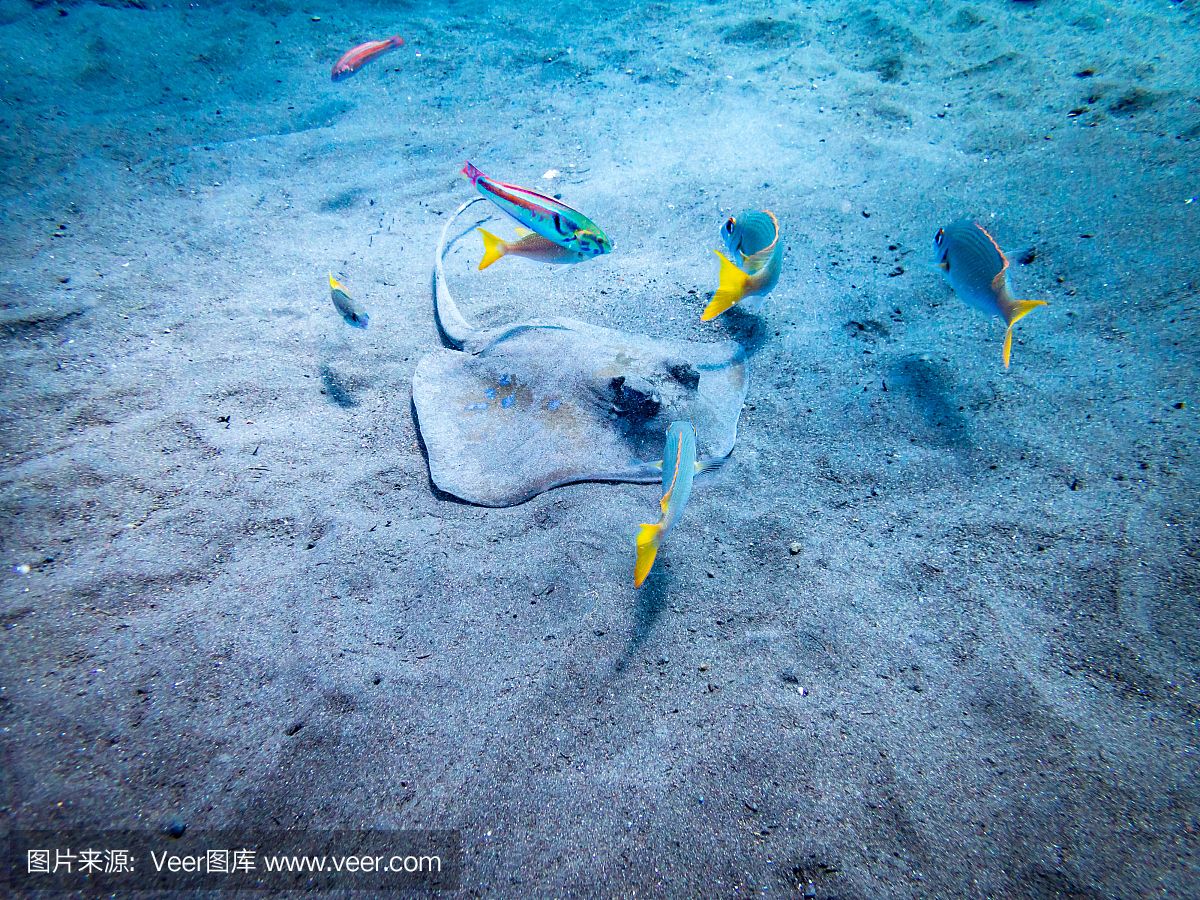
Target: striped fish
{"x":752,"y":238}
{"x":977,"y":269}
{"x":679,"y":468}
{"x":552,"y":219}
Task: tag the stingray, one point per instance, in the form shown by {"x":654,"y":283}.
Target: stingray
{"x":508,"y":412}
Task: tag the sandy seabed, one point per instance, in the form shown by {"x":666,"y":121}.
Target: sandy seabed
{"x":931,"y":632}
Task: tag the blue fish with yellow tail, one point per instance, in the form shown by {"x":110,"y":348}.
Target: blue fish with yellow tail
{"x":752,"y":238}
{"x":351,"y":312}
{"x":977,"y":269}
{"x":679,"y":468}
{"x":552,"y":219}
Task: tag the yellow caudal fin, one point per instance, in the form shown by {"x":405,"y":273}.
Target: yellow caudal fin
{"x":333,"y":284}
{"x":731,"y":287}
{"x":493,"y":248}
{"x":647,"y":550}
{"x":1016,"y":312}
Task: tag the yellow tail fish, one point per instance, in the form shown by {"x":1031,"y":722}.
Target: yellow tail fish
{"x":752,"y":238}
{"x":977,"y":269}
{"x":679,"y":468}
{"x":529,"y":245}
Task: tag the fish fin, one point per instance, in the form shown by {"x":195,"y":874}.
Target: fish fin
{"x":523,"y":232}
{"x":493,"y":249}
{"x":1016,"y":311}
{"x":334,"y":284}
{"x":471,"y":172}
{"x":658,"y":465}
{"x":647,"y":550}
{"x":396,"y":41}
{"x":1021,"y":308}
{"x":731,"y":287}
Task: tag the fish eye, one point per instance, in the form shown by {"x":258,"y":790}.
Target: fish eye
{"x":940,"y":236}
{"x":729,"y":223}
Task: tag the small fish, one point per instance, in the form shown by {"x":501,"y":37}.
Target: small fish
{"x":552,"y":219}
{"x":353,"y":313}
{"x":752,"y":237}
{"x":528,"y":244}
{"x":977,"y":269}
{"x":353,"y":60}
{"x":679,"y":468}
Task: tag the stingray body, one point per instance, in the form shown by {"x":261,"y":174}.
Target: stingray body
{"x":511,"y":411}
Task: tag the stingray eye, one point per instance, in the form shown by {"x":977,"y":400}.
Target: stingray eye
{"x":940,"y":236}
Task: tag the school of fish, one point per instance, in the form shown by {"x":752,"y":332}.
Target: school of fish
{"x":550,"y":231}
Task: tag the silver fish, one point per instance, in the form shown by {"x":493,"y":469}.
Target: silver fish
{"x":353,"y":314}
{"x":977,"y":269}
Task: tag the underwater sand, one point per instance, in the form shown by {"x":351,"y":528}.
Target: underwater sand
{"x":932,"y":631}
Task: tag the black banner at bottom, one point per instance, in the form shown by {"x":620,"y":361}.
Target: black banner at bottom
{"x":115,"y":861}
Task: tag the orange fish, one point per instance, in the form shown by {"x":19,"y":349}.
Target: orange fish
{"x":353,"y":60}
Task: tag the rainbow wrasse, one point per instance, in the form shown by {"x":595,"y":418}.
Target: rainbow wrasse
{"x":357,"y":57}
{"x":543,"y":215}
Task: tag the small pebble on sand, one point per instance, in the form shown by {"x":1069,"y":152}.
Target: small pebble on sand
{"x":174,"y":827}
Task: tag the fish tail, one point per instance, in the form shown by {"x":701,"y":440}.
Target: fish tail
{"x":471,"y":172}
{"x":732,"y":283}
{"x":1017,"y":311}
{"x":647,"y":550}
{"x":333,"y":283}
{"x":493,"y":248}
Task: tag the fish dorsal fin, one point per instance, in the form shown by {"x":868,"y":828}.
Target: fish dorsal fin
{"x":752,"y":262}
{"x":770,"y":248}
{"x":522,"y":231}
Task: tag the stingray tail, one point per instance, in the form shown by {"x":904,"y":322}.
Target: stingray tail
{"x":732,"y":284}
{"x":493,"y":249}
{"x":1018,"y":311}
{"x":647,"y":550}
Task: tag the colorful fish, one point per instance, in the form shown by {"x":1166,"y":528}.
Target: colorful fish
{"x":529,"y":245}
{"x":679,"y":468}
{"x":752,"y":237}
{"x":552,"y":219}
{"x":354,"y":314}
{"x":353,"y":60}
{"x":977,"y":269}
